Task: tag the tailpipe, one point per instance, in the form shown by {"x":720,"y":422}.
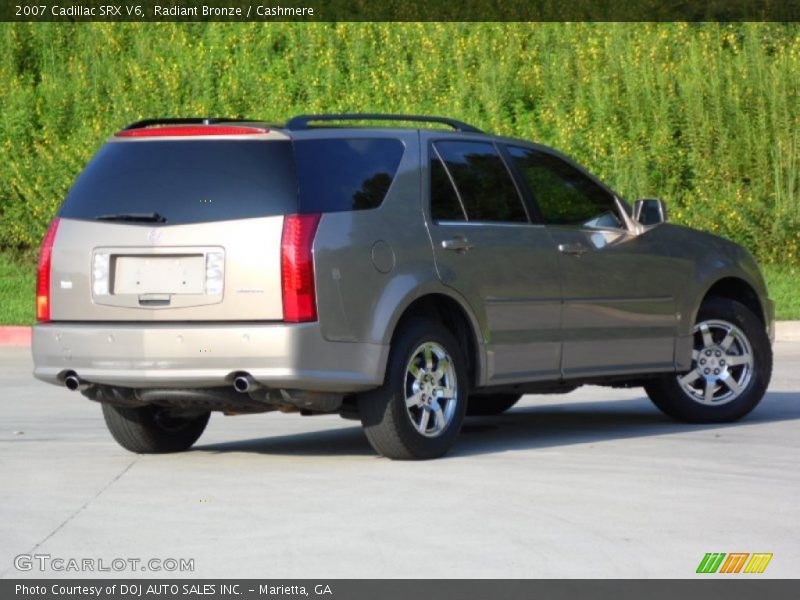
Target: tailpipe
{"x":74,"y":383}
{"x":244,"y":384}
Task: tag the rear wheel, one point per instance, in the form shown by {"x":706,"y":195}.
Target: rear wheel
{"x":417,"y":412}
{"x":491,"y":404}
{"x":153,"y":429}
{"x":731,"y":367}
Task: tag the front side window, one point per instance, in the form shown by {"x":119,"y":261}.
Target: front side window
{"x":565,"y":195}
{"x":484,"y":184}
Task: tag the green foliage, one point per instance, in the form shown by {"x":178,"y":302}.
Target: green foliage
{"x":782,"y":284}
{"x":705,"y":116}
{"x":17,"y":289}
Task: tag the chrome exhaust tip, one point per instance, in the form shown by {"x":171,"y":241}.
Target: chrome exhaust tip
{"x":73,"y":383}
{"x":244,"y":384}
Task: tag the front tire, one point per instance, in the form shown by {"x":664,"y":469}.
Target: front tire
{"x":418,"y":411}
{"x":152,"y":429}
{"x":731,"y":367}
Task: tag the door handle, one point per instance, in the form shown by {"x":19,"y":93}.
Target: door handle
{"x":458,"y":244}
{"x":576,"y":249}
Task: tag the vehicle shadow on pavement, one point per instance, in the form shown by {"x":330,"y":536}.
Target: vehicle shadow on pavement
{"x":349,"y":441}
{"x":550,"y":426}
{"x":525,"y":427}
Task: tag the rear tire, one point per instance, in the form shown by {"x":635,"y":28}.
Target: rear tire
{"x":151,"y":429}
{"x":494,"y":404}
{"x":731,"y":367}
{"x":418,"y":411}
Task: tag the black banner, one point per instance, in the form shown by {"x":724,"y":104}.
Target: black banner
{"x":388,"y":589}
{"x":398,"y":10}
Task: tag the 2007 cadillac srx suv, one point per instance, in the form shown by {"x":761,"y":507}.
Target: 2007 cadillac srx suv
{"x":405,"y":277}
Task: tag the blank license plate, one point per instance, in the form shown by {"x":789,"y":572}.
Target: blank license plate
{"x":185,"y":274}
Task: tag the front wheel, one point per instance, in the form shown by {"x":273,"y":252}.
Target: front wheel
{"x":153,"y":429}
{"x":418,"y":411}
{"x":730,"y":372}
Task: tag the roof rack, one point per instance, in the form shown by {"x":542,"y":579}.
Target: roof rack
{"x":302,"y":121}
{"x":184,"y":121}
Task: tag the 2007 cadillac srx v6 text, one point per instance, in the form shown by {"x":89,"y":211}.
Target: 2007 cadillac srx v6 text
{"x":405,"y":277}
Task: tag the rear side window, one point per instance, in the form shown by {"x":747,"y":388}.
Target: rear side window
{"x":338,"y":175}
{"x":565,"y":195}
{"x":483,"y":181}
{"x":445,"y":205}
{"x":186,"y":181}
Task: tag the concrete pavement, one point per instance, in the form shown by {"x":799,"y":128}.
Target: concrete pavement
{"x":596,"y":483}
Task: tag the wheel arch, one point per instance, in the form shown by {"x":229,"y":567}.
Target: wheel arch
{"x":455,"y":315}
{"x":736,"y":288}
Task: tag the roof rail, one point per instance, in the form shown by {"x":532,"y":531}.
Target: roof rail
{"x":302,"y":121}
{"x":184,"y":121}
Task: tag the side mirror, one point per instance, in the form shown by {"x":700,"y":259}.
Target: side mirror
{"x":649,"y":211}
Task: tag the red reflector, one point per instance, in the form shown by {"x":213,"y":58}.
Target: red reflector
{"x":188,"y":130}
{"x":297,"y":268}
{"x":43,"y":273}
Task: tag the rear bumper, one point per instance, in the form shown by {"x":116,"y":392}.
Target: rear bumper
{"x":138,"y":355}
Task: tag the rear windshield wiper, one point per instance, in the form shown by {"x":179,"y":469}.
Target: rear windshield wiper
{"x":152,"y":217}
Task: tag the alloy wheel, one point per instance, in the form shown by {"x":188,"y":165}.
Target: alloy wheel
{"x":431,"y":389}
{"x":722,"y":364}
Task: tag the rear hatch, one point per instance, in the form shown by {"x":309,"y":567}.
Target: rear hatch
{"x":180,"y":227}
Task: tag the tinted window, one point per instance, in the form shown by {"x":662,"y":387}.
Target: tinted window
{"x":483,"y":182}
{"x":345,"y":174}
{"x":186,"y":181}
{"x":445,"y":205}
{"x":565,"y":195}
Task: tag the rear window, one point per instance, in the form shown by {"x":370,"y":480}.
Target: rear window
{"x":216,"y":180}
{"x":186,"y":182}
{"x":337,"y":175}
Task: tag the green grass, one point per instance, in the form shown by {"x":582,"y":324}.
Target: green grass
{"x":17,"y":289}
{"x":703,"y":115}
{"x":784,"y":289}
{"x":18,"y":283}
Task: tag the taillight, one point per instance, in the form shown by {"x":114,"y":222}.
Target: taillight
{"x":184,"y":130}
{"x":43,"y":273}
{"x":297,"y":268}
